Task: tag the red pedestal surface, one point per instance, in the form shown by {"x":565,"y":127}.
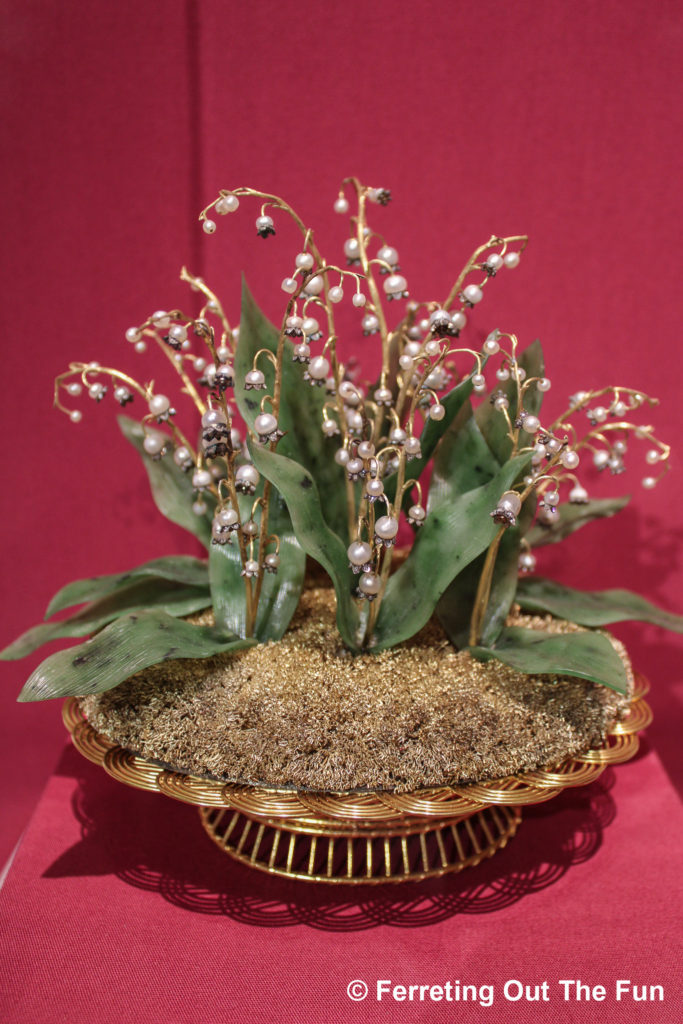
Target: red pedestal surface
{"x":122,"y":121}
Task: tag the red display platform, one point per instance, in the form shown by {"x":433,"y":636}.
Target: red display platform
{"x":118,"y":907}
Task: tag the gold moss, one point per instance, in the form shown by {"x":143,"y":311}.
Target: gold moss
{"x":302,"y":712}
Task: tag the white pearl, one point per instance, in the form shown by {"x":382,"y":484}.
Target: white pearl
{"x":397,"y":435}
{"x":349,"y":392}
{"x":502,"y":373}
{"x":652,"y":456}
{"x":512,"y":501}
{"x":437,"y":411}
{"x":569,"y":459}
{"x":209,"y":226}
{"x":433,"y":347}
{"x":359,"y":553}
{"x":417,"y":512}
{"x":370,"y":322}
{"x":412,"y":348}
{"x":511,"y":260}
{"x":620,"y":409}
{"x":543,"y":384}
{"x":74,"y":388}
{"x":494,"y":261}
{"x":491,"y":347}
{"x":620,"y":447}
{"x":315,"y":285}
{"x":599,"y":414}
{"x":412,"y":445}
{"x":318,"y":368}
{"x":160,"y":319}
{"x":304,"y":261}
{"x":329,"y":427}
{"x":201,"y":478}
{"x":395,"y":284}
{"x":375,"y":488}
{"x":383,"y":395}
{"x":159,"y":404}
{"x":521,"y":373}
{"x":527,"y":561}
{"x":289,"y":285}
{"x":552,"y":497}
{"x":178,"y":333}
{"x":272,"y":560}
{"x":250,"y":529}
{"x":181,"y":455}
{"x":199,"y":364}
{"x":473,"y":293}
{"x":336,"y":294}
{"x":355,"y":466}
{"x":255,"y":378}
{"x":341,"y":205}
{"x":140,"y":346}
{"x":406,"y":362}
{"x":265,"y":423}
{"x":223,"y":353}
{"x":578,"y":494}
{"x":531,"y":424}
{"x":386,"y":527}
{"x":294,"y":322}
{"x":247,"y":474}
{"x":95,"y":390}
{"x":423,"y":325}
{"x":133,"y":335}
{"x":478,"y":381}
{"x":358,"y":299}
{"x":501,"y":403}
{"x":649,"y":482}
{"x":366,"y":449}
{"x":227,"y":204}
{"x":341,"y":456}
{"x":199,"y":508}
{"x":352,"y":248}
{"x":75,"y":415}
{"x":303,"y":351}
{"x":263,"y":223}
{"x":553,"y":445}
{"x":369,"y":583}
{"x":310,"y":325}
{"x":458,"y":319}
{"x":251,"y":567}
{"x":354,"y":420}
{"x":388,"y":254}
{"x":236,"y":439}
{"x":227,"y":517}
{"x":153,"y":443}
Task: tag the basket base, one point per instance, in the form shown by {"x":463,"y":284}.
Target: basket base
{"x":321,"y":851}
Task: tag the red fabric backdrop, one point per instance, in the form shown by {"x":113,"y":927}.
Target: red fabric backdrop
{"x":123,"y":120}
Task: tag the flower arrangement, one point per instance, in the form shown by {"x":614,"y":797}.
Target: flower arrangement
{"x":294,"y":456}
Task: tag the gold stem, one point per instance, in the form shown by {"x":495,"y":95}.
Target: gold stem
{"x":481,"y":599}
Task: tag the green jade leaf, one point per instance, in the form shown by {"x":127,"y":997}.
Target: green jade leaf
{"x":492,"y":422}
{"x":592,"y":607}
{"x":573,"y":517}
{"x":175,"y":599}
{"x":300,"y":492}
{"x":452,"y":536}
{"x":175,"y":568}
{"x":171,"y":488}
{"x":121,"y":649}
{"x":280,"y":591}
{"x":582,"y":655}
{"x":301,"y":409}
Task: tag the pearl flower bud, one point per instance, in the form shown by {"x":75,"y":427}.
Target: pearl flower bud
{"x":473,"y":293}
{"x":341,"y":457}
{"x":437,"y":411}
{"x":315,"y":285}
{"x":209,"y":226}
{"x":494,"y":261}
{"x":388,"y":254}
{"x":271,"y":562}
{"x":527,"y":562}
{"x":511,"y":260}
{"x":264,"y":226}
{"x":160,"y":319}
{"x":383,"y":396}
{"x":458,"y":319}
{"x":318,"y":368}
{"x":265,"y":424}
{"x":255,"y":379}
{"x":349,"y":392}
{"x":226,"y":204}
{"x":336,"y":294}
{"x":386,"y":528}
{"x":370,"y":323}
{"x":395,"y":285}
{"x":478,"y":382}
{"x":310,"y":325}
{"x":531,"y":424}
{"x":359,"y":553}
{"x":366,"y":449}
{"x":652,"y":456}
{"x":649,"y":482}
{"x":158,"y":405}
{"x":569,"y":459}
{"x":578,"y":495}
{"x":352,"y":248}
{"x":369,"y":584}
{"x":512,"y":501}
{"x":289,"y":285}
{"x":341,"y":205}
{"x":133,"y":335}
{"x":543,"y":384}
{"x":247,"y":476}
{"x":416,"y":515}
{"x":201,"y":478}
{"x":75,"y":415}
{"x":213,"y":417}
{"x":304,"y":261}
{"x":358,"y":299}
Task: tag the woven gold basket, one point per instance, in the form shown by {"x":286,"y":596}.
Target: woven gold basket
{"x":363,"y":837}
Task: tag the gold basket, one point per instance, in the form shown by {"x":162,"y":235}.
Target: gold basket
{"x":363,"y":837}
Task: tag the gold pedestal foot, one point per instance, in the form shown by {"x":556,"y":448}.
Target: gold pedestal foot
{"x":324,"y":851}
